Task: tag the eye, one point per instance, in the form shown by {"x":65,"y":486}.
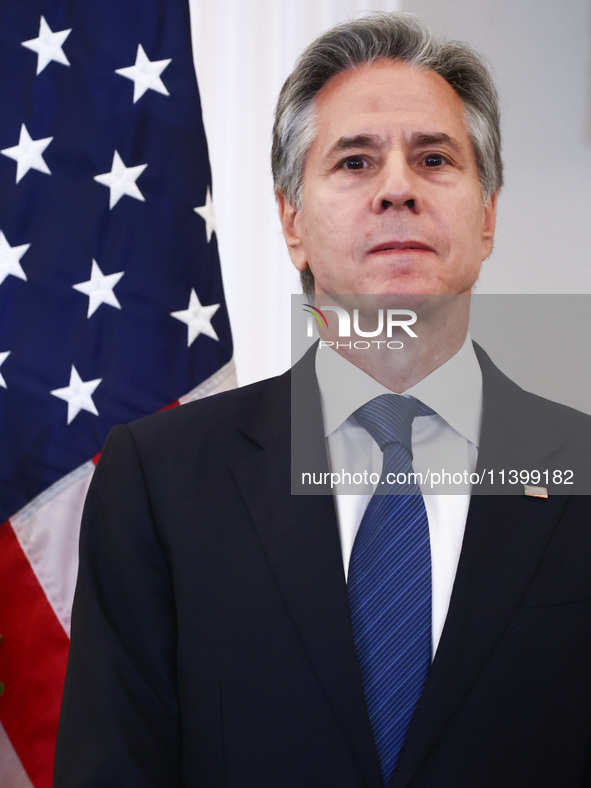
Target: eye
{"x":353,"y":163}
{"x":434,"y":160}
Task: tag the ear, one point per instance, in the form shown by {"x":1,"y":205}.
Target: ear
{"x":489,"y":220}
{"x":288,"y":216}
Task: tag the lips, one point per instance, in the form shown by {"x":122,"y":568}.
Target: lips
{"x":401,"y":246}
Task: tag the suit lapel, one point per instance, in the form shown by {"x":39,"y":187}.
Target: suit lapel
{"x":299,"y":535}
{"x":504,"y":541}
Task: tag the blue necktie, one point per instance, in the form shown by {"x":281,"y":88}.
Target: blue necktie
{"x":389,"y":582}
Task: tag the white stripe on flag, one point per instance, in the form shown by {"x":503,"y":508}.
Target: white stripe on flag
{"x":48,"y":530}
{"x":222,"y":380}
{"x":12,"y":773}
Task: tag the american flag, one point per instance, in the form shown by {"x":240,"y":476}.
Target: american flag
{"x":111,"y":301}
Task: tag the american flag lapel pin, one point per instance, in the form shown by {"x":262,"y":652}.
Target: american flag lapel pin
{"x":535,"y":492}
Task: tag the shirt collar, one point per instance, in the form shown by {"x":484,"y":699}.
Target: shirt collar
{"x":453,"y":390}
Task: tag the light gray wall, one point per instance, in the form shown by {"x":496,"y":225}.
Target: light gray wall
{"x":540,"y":51}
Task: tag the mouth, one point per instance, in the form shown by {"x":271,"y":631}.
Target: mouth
{"x":401,"y":246}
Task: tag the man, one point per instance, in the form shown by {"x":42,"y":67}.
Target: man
{"x":219,"y":627}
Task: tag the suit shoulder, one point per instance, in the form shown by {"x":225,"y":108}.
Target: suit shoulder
{"x":217,"y":414}
{"x":563,"y":417}
{"x":507,"y":399}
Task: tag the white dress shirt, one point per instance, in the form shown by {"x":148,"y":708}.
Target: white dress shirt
{"x":446,"y":442}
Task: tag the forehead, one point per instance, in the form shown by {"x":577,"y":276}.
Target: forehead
{"x":388,"y":98}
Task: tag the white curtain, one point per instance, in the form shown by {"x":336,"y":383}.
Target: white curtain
{"x":243,"y":52}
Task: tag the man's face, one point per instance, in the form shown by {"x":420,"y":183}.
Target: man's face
{"x":391,"y":201}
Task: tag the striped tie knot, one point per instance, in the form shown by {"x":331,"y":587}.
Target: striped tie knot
{"x":388,"y":418}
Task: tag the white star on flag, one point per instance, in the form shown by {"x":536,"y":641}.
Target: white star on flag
{"x":99,"y":289}
{"x":48,"y":46}
{"x":145,"y":74}
{"x":3,"y":357}
{"x":197,"y":318}
{"x":121,"y":180}
{"x":78,"y":395}
{"x":10,"y":259}
{"x":206,"y":212}
{"x":27,"y":154}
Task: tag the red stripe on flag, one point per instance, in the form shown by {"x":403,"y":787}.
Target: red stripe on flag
{"x":33,"y":656}
{"x":174,"y":404}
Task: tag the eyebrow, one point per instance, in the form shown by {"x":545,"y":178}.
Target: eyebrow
{"x":358,"y":141}
{"x":373,"y":141}
{"x":440,"y":138}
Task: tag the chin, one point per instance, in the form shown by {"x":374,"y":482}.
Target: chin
{"x":407,"y":285}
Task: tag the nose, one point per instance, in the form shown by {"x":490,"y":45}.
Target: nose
{"x":397,"y":186}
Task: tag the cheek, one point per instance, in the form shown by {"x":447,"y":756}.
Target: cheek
{"x":467,"y":227}
{"x":327,"y":231}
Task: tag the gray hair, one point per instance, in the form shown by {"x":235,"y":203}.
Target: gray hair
{"x":366,"y":40}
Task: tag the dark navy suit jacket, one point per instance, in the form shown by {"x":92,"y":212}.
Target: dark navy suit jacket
{"x":212,"y":643}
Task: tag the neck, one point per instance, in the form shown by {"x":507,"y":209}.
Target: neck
{"x":392,"y":356}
